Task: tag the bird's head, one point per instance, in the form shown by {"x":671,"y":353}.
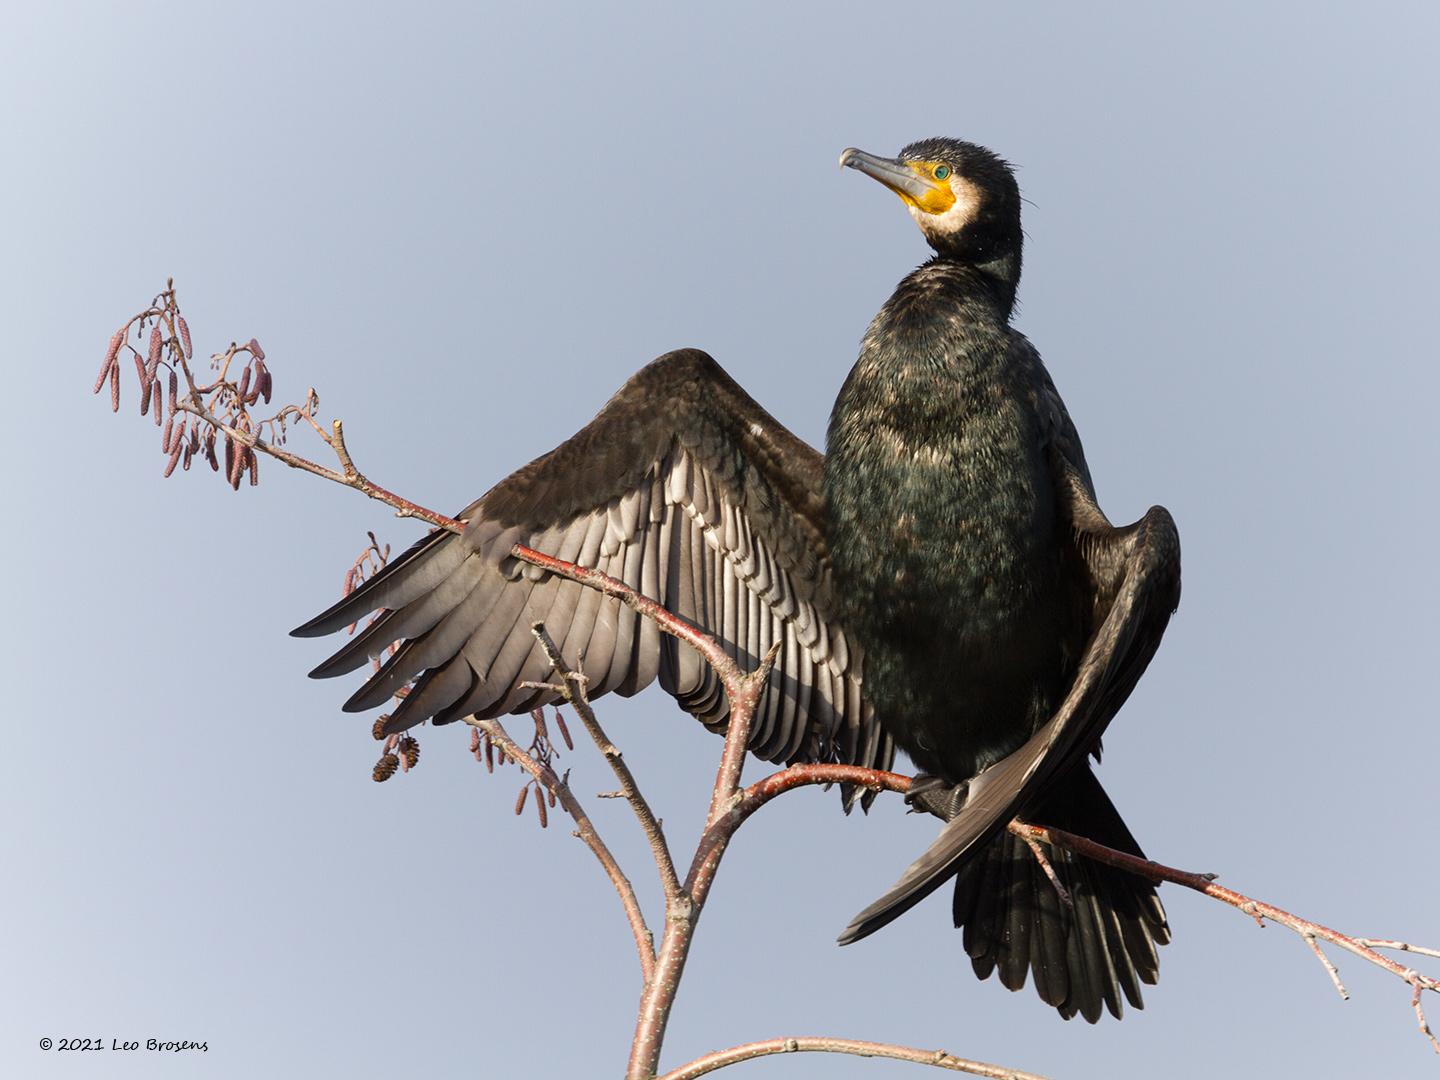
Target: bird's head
{"x":963,"y":197}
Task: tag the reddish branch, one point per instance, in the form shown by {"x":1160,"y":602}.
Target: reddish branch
{"x":1310,"y":932}
{"x":585,"y":830}
{"x":730,"y":808}
{"x":222,"y":407}
{"x":681,"y":913}
{"x":811,"y":1044}
{"x":194,"y":423}
{"x":572,"y":689}
{"x":726,"y":668}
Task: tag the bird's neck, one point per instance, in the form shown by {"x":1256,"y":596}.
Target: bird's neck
{"x":944,"y":297}
{"x":1001,"y":276}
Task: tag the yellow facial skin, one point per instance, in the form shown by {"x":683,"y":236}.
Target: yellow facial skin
{"x":939,"y":195}
{"x":942,"y":202}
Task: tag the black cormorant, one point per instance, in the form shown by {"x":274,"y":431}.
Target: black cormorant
{"x":942,"y":580}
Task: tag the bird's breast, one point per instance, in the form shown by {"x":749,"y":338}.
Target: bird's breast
{"x":939,"y":497}
{"x":945,"y":555}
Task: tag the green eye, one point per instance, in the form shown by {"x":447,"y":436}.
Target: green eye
{"x":942,"y":171}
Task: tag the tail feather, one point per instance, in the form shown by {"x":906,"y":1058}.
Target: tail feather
{"x":1086,"y":959}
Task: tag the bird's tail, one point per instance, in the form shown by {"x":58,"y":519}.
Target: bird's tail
{"x":1084,"y":956}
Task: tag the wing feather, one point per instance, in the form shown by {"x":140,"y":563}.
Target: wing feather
{"x":683,"y":488}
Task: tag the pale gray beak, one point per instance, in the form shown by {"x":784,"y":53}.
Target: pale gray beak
{"x":895,"y":175}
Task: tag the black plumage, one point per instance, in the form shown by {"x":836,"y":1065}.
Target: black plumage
{"x":942,"y":580}
{"x":687,"y":490}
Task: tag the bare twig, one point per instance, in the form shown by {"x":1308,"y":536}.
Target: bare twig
{"x":714,"y":653}
{"x":1311,"y":932}
{"x":743,"y":692}
{"x":1330,"y":968}
{"x":349,"y":476}
{"x":573,"y":691}
{"x":1398,"y":946}
{"x":718,"y":833}
{"x":223,"y":404}
{"x":585,"y":830}
{"x":821,"y":1044}
{"x":1044,"y":861}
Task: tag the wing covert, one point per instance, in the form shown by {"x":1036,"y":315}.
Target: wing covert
{"x":689,"y":492}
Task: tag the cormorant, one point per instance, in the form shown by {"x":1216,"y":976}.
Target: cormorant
{"x":942,"y":580}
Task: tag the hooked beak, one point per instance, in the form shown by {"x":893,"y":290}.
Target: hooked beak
{"x":896,"y":175}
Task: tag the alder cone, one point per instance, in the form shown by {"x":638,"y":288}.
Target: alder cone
{"x":385,"y":768}
{"x":410,"y":751}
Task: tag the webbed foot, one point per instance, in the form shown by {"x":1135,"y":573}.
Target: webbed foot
{"x":935,"y":795}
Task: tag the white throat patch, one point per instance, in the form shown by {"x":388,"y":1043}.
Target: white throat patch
{"x":962,"y":213}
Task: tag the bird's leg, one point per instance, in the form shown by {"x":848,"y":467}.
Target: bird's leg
{"x":936,"y":795}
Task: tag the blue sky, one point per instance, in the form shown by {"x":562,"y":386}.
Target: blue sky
{"x":466,"y":226}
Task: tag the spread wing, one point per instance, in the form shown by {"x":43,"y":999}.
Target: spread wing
{"x":1134,"y":574}
{"x":689,"y":492}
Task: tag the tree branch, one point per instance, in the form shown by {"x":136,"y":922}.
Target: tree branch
{"x":349,"y":476}
{"x":719,"y":831}
{"x":729,"y":672}
{"x":681,"y":914}
{"x":822,"y":1044}
{"x":761,"y":792}
{"x":572,"y":690}
{"x":585,"y":830}
{"x":1310,"y":932}
{"x":222,"y":408}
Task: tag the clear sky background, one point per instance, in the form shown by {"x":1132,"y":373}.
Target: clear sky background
{"x":467,"y":226}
